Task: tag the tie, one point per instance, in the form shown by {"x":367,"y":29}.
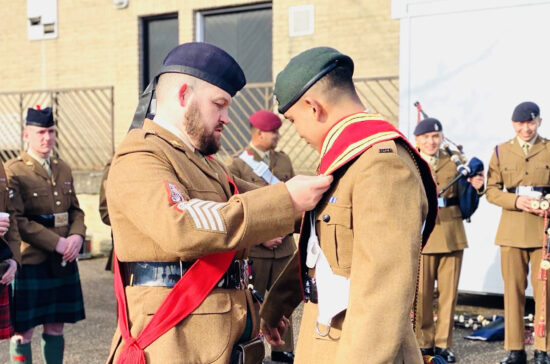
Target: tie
{"x":266,"y":158}
{"x":525,"y":148}
{"x":46,"y":166}
{"x":433,"y":162}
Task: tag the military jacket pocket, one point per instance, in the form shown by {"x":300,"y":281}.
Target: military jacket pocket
{"x":541,"y":175}
{"x":511,"y":177}
{"x":37,"y":200}
{"x":210,"y":322}
{"x":334,"y":224}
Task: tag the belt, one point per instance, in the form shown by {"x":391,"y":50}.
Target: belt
{"x":544,"y":190}
{"x":446,"y":202}
{"x":51,"y":220}
{"x":167,"y":274}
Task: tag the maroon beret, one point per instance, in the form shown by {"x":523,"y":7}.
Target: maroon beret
{"x":265,"y":120}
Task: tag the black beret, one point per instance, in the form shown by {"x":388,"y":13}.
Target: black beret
{"x":427,"y":125}
{"x":526,"y":111}
{"x":40,"y":117}
{"x":303,"y":71}
{"x":207,"y":62}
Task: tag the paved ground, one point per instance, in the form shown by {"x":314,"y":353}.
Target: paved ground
{"x":88,"y":341}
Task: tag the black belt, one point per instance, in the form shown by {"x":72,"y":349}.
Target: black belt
{"x":47,"y":220}
{"x":167,"y":274}
{"x":543,"y":190}
{"x":446,"y":202}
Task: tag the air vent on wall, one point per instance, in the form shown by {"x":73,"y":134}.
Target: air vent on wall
{"x":300,"y":20}
{"x":42,"y":19}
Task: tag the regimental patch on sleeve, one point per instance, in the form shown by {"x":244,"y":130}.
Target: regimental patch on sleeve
{"x":205,"y":214}
{"x":174,"y":195}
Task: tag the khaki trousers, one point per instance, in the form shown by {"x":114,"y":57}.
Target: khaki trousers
{"x":266,"y":271}
{"x":514,"y":263}
{"x":445,"y":268}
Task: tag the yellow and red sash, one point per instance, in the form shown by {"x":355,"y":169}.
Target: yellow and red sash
{"x":357,"y":133}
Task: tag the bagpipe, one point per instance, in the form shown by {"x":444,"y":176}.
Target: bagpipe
{"x":468,"y":197}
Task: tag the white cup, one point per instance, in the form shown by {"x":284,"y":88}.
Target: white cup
{"x":4,"y":214}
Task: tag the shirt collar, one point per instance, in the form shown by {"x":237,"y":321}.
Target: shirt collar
{"x":35,"y":156}
{"x":530,"y":142}
{"x":260,"y":153}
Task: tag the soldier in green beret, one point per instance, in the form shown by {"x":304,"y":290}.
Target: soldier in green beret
{"x":359,"y":247}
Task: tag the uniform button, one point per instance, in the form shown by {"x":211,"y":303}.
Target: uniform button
{"x":527,"y":159}
{"x":58,"y":203}
{"x":326,"y":217}
{"x":35,"y":194}
{"x":526,"y":173}
{"x":55,"y":193}
{"x":53,"y":183}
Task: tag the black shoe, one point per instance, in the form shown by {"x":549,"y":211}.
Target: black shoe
{"x":282,"y":356}
{"x":446,"y":354}
{"x":515,"y":357}
{"x":541,"y":357}
{"x":427,"y":351}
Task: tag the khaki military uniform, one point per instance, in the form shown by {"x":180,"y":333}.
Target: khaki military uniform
{"x":154,"y":182}
{"x":441,"y":260}
{"x":11,"y":237}
{"x":519,"y":233}
{"x":103,"y":212}
{"x":369,"y":227}
{"x":36,"y":193}
{"x":268,"y":263}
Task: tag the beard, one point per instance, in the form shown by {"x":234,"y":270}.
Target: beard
{"x":204,"y":141}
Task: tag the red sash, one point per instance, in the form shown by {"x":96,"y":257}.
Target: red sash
{"x":184,"y":298}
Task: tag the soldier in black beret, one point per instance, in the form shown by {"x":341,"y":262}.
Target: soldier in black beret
{"x":441,"y":258}
{"x":47,"y":289}
{"x":519,"y":176}
{"x":172,"y":210}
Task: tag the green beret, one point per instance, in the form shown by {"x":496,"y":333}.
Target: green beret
{"x":303,"y":71}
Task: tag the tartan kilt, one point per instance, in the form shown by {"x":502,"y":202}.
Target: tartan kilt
{"x":6,"y":329}
{"x":40,"y":298}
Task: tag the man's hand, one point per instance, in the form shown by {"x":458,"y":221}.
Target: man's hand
{"x":477,"y":181}
{"x":274,"y":335}
{"x":74,"y":243}
{"x":273,"y":243}
{"x":523,"y":203}
{"x":306,"y":191}
{"x":10,"y":273}
{"x":4,"y":225}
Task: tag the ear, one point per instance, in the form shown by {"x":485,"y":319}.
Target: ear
{"x":182,"y":95}
{"x":316,"y":108}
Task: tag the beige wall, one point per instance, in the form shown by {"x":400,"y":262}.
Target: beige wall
{"x":98,"y":45}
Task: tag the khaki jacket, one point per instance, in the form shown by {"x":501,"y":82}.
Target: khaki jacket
{"x":510,"y":167}
{"x":448,"y":234}
{"x":103,"y":212}
{"x":35,"y":193}
{"x":369,"y":226}
{"x":152,"y":179}
{"x":11,"y":237}
{"x":281,"y":167}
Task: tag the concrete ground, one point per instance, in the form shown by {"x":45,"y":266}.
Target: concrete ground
{"x":88,"y":341}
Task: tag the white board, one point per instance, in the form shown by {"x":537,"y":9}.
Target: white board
{"x":469,"y":64}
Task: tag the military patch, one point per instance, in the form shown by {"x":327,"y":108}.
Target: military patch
{"x":174,"y":195}
{"x":385,"y":150}
{"x":2,"y":179}
{"x":67,"y":183}
{"x":205,"y":214}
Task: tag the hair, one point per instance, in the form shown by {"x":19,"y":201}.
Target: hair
{"x":337,"y":82}
{"x":171,"y":82}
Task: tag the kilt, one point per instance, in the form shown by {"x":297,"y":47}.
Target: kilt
{"x":40,"y":298}
{"x":6,"y":329}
